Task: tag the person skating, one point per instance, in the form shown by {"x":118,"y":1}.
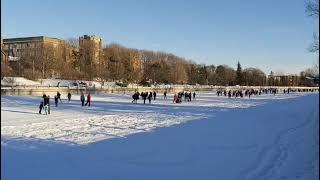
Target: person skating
{"x":56,"y":100}
{"x":82,"y":99}
{"x":135,"y":97}
{"x":144,"y":96}
{"x":44,"y":99}
{"x":69,"y":96}
{"x":154,"y":95}
{"x":165,"y":95}
{"x":175,"y":97}
{"x":150,"y":97}
{"x":59,"y":96}
{"x":46,"y":104}
{"x":40,"y":107}
{"x":194,"y":95}
{"x":88,"y":99}
{"x":179,"y":97}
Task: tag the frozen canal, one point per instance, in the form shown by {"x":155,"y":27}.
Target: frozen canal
{"x":264,"y":138}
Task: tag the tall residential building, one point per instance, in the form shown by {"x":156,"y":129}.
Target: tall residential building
{"x":93,"y":44}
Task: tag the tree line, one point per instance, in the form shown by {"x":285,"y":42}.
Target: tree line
{"x":115,"y":62}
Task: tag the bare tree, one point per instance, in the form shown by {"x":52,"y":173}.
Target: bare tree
{"x":254,"y":76}
{"x":73,"y":42}
{"x":312,"y":10}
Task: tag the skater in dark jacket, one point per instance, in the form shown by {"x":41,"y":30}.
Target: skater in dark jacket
{"x":69,"y":96}
{"x":144,"y":96}
{"x":229,"y":94}
{"x":59,"y":96}
{"x":154,"y":95}
{"x":135,"y":97}
{"x":56,"y":100}
{"x":46,"y":105}
{"x":150,"y":97}
{"x":82,"y":99}
{"x":40,"y":107}
{"x":165,"y":95}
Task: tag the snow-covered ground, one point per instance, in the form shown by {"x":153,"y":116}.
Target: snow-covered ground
{"x":265,"y":137}
{"x":21,"y":81}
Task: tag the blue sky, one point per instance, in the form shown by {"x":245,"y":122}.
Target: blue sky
{"x":267,"y":34}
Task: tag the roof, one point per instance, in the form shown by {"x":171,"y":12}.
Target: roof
{"x":34,"y":38}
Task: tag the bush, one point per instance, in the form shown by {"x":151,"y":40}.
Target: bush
{"x":122,"y":84}
{"x":145,"y":84}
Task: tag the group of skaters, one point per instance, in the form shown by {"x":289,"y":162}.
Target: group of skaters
{"x":177,"y":98}
{"x":299,"y":90}
{"x":45,"y":103}
{"x":246,"y":92}
{"x":250,"y":92}
{"x":144,"y":96}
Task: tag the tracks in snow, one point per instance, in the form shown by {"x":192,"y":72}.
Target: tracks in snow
{"x":273,"y":156}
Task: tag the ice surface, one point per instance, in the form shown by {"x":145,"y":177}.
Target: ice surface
{"x":266,"y":137}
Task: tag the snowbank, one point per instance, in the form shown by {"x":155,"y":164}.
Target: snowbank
{"x":18,"y":81}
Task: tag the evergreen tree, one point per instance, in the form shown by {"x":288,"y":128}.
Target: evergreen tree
{"x":239,"y":76}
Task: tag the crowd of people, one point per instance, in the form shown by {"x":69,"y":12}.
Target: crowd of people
{"x":144,"y":96}
{"x":177,"y":98}
{"x":45,"y":103}
{"x":250,"y":92}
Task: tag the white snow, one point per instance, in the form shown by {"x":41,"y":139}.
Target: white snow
{"x":71,"y":123}
{"x":267,"y":137}
{"x":18,"y":81}
{"x":21,"y":81}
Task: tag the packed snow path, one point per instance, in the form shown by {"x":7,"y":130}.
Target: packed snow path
{"x":267,"y":137}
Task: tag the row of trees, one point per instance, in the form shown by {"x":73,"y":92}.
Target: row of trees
{"x":118,"y":63}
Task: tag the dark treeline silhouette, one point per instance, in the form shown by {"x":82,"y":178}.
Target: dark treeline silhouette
{"x":118,"y":63}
